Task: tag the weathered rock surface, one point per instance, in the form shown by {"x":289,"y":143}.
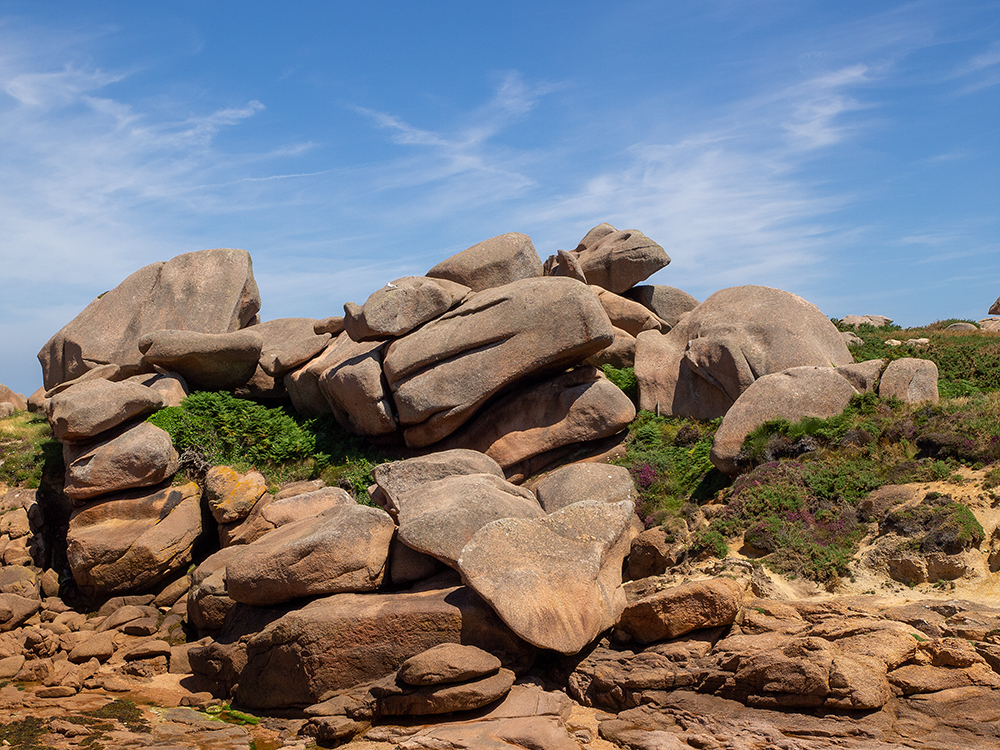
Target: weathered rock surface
{"x":272,"y":511}
{"x":590,"y":481}
{"x":439,"y":518}
{"x":208,"y":603}
{"x":864,"y":376}
{"x":287,"y":343}
{"x":397,"y":477}
{"x":94,"y":406}
{"x":556,"y":580}
{"x":170,"y":385}
{"x":400,"y":306}
{"x":681,"y":609}
{"x":447,"y":698}
{"x":491,"y":263}
{"x":207,"y":361}
{"x":657,"y":549}
{"x":448,"y":662}
{"x":131,"y":542}
{"x":15,"y":610}
{"x":618,"y":260}
{"x":357,"y":392}
{"x":912,"y":381}
{"x":667,"y":302}
{"x":568,"y":408}
{"x":628,"y":315}
{"x":737,"y":335}
{"x":231,"y":495}
{"x":857,"y":321}
{"x":7,"y":396}
{"x":140,"y":456}
{"x":565,"y":263}
{"x":791,"y":394}
{"x":343,"y":549}
{"x":619,"y":353}
{"x":212,"y":291}
{"x":345,"y":639}
{"x":357,"y":395}
{"x":441,"y":373}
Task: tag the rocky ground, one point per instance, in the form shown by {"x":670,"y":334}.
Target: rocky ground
{"x":875,"y":663}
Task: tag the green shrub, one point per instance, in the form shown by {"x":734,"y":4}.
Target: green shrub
{"x":228,"y":429}
{"x":669,"y":461}
{"x":936,"y":523}
{"x":278,"y":443}
{"x":624,"y":378}
{"x":712,"y":541}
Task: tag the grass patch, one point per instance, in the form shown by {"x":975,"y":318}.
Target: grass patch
{"x":125,"y":712}
{"x":279,"y":443}
{"x":231,"y":716}
{"x":24,"y":734}
{"x":27,"y":448}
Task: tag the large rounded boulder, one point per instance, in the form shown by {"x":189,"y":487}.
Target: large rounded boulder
{"x":721,"y":347}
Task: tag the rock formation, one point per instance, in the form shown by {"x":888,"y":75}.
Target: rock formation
{"x":465,"y":571}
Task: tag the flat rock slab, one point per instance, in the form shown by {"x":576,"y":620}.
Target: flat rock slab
{"x":95,"y":406}
{"x":449,"y":662}
{"x":443,"y":372}
{"x":343,"y":549}
{"x":443,"y":699}
{"x":207,"y":361}
{"x":556,"y":580}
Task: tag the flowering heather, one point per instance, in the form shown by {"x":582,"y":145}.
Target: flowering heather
{"x":644,"y":475}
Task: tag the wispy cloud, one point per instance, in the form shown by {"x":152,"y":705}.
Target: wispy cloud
{"x":980,"y":72}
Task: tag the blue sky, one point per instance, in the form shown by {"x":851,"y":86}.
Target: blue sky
{"x":845,"y":151}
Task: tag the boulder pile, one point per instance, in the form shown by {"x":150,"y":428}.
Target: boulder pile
{"x":439,"y":595}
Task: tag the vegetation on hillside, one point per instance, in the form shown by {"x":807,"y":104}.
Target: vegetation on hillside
{"x":796,"y":506}
{"x":279,"y":443}
{"x":966,"y":360}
